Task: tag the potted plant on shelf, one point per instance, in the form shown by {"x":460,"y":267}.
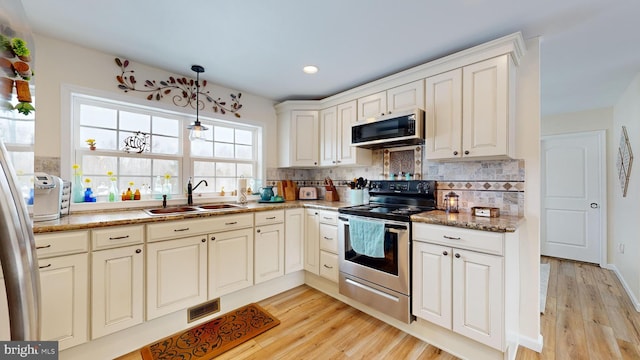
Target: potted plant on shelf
{"x":5,"y":47}
{"x":91,"y":143}
{"x":21,"y":50}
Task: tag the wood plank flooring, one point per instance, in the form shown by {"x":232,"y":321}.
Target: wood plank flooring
{"x":588,"y":316}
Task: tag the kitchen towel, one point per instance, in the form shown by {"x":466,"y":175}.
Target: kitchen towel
{"x":367,"y":237}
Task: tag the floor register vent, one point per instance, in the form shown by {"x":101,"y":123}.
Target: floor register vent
{"x":202,"y":310}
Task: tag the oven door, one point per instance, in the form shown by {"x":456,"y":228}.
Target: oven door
{"x":392,"y":271}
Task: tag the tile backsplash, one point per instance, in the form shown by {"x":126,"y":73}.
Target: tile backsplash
{"x":492,"y":183}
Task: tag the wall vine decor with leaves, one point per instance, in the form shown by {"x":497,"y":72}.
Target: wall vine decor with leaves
{"x":184,"y":91}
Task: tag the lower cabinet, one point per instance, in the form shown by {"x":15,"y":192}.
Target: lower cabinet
{"x":294,"y":240}
{"x":117,"y":285}
{"x":64,"y":294}
{"x":269,"y":252}
{"x":312,"y":241}
{"x":176,"y":275}
{"x":460,"y":289}
{"x":230,"y":261}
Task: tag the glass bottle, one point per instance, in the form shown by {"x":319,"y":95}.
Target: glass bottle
{"x":77,"y":189}
{"x":113,"y":191}
{"x":166,"y":188}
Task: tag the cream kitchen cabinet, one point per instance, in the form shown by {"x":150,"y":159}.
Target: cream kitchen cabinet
{"x":405,"y":97}
{"x":470,"y":111}
{"x":335,"y":137}
{"x":64,"y":283}
{"x":312,"y":241}
{"x":460,"y":282}
{"x":176,"y":274}
{"x":117,"y":279}
{"x":269,"y":252}
{"x":298,"y":145}
{"x":230,"y":261}
{"x":293,"y":240}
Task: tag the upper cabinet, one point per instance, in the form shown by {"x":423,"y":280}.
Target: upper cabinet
{"x":404,"y":97}
{"x":299,"y":138}
{"x":335,"y":137}
{"x":470,"y":111}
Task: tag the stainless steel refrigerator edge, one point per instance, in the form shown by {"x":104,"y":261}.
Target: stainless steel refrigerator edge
{"x":18,"y":256}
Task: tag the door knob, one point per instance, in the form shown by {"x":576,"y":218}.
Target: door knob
{"x":594,"y":205}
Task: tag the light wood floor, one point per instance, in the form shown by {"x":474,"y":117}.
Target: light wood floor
{"x":587,"y":316}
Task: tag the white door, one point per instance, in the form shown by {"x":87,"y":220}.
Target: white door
{"x":573,"y":191}
{"x":230,"y":261}
{"x":269,"y":252}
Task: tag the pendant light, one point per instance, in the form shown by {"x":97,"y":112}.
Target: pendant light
{"x":197,"y":129}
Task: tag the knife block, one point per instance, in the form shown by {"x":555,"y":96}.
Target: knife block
{"x":331,"y":195}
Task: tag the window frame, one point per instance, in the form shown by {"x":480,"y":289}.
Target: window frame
{"x":73,"y":96}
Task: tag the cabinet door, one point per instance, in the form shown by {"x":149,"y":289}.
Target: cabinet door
{"x":328,"y":136}
{"x":478,"y":301}
{"x":65,"y":292}
{"x":176,"y":275}
{"x":347,"y":154}
{"x":432,"y":283}
{"x":372,"y":106}
{"x":116,"y":289}
{"x":269,"y":247}
{"x":311,"y":245}
{"x":485,"y":108}
{"x":293,"y":240}
{"x":406,"y":97}
{"x":304,"y":138}
{"x":443,"y":123}
{"x":230,"y":261}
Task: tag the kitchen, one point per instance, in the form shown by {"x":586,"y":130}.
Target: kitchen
{"x":62,"y":63}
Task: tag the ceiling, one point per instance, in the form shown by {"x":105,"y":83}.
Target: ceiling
{"x":589,"y":48}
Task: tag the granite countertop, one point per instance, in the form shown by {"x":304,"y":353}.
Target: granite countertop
{"x":466,"y":220}
{"x":104,"y":218}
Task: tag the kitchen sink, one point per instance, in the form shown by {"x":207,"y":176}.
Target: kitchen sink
{"x":171,"y":210}
{"x":220,"y":206}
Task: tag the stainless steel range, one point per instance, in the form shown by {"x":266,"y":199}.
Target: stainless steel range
{"x":375,"y":244}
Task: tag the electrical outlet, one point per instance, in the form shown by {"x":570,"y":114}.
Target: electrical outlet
{"x":621,"y":248}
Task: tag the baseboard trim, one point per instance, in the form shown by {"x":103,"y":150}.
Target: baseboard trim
{"x":533,"y":344}
{"x":627,"y":289}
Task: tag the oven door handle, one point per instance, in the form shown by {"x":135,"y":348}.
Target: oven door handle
{"x":396,"y":231}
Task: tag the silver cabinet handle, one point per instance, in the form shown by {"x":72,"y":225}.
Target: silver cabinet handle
{"x":119,"y":237}
{"x":327,"y":218}
{"x":451,"y":237}
{"x":183,"y":229}
{"x":43,"y":247}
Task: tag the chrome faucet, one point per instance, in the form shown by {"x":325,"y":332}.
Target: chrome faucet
{"x":190,"y":189}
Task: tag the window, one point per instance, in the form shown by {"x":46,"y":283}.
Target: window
{"x":228,"y":152}
{"x":17,"y":132}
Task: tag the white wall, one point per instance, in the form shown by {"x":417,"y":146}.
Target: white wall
{"x":60,"y":62}
{"x":528,"y":149}
{"x":623,"y":222}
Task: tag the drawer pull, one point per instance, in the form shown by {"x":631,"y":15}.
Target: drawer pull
{"x":451,"y":237}
{"x":258,"y":230}
{"x":204,"y":240}
{"x":327,"y":266}
{"x":271,"y":218}
{"x":445,"y":253}
{"x":213,"y":238}
{"x":46,"y":266}
{"x":457,"y":256}
{"x":138,"y":251}
{"x":119,"y":237}
{"x":183,"y":229}
{"x":327,"y":218}
{"x":43,"y":247}
{"x":327,"y":238}
{"x":231,"y":223}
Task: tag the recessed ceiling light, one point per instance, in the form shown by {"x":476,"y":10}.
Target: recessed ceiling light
{"x":310,"y":69}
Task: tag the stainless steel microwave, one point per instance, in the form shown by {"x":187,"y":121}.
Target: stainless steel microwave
{"x":403,"y":128}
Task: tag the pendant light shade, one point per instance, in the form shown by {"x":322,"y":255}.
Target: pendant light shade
{"x":196,"y":130}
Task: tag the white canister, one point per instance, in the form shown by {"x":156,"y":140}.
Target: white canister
{"x":242,"y":191}
{"x":356,"y":196}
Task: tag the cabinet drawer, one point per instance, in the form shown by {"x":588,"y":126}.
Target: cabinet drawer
{"x":61,"y":243}
{"x":329,"y":266}
{"x":329,"y":238}
{"x":117,"y":236}
{"x":269,"y":217}
{"x":176,"y":229}
{"x":476,"y":240}
{"x":329,"y":217}
{"x":230,"y":222}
